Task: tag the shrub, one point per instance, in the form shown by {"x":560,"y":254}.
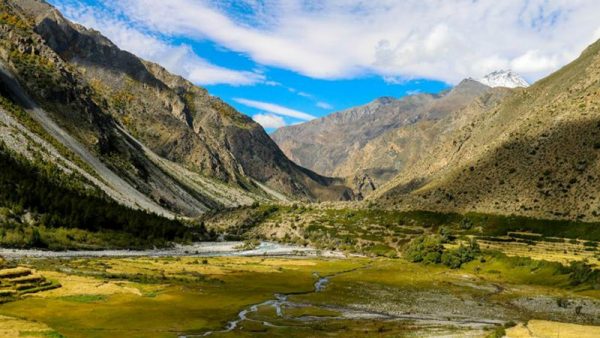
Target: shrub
{"x":429,"y":249}
{"x":582,"y":273}
{"x":446,"y":234}
{"x":463,"y":254}
{"x":426,"y":249}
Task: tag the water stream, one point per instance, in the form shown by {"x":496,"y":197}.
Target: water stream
{"x":281,"y":301}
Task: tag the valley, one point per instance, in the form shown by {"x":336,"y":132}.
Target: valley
{"x":277,"y":296}
{"x":141,"y":198}
{"x":366,"y":288}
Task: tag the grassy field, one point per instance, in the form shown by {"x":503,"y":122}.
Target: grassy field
{"x":167,"y":297}
{"x":518,"y":273}
{"x":159,"y":297}
{"x":375,"y":232}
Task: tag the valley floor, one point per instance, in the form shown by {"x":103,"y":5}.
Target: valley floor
{"x":299,"y":296}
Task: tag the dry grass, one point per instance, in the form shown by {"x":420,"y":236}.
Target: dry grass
{"x":547,"y":329}
{"x":550,"y":251}
{"x":78,"y":285}
{"x":14,"y":327}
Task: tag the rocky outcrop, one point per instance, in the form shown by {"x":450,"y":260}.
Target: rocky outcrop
{"x":363,"y":185}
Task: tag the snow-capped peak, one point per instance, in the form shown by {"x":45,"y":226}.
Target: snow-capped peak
{"x":504,"y":78}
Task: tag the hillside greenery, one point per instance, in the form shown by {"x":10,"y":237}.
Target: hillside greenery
{"x":41,"y":204}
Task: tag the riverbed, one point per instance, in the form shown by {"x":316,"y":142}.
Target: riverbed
{"x":205,"y":249}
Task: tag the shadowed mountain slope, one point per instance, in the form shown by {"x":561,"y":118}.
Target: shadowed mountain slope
{"x":535,"y":154}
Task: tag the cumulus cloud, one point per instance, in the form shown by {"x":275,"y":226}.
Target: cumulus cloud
{"x":535,"y":61}
{"x":445,"y":40}
{"x":269,"y":121}
{"x":275,"y":109}
{"x":179,"y":59}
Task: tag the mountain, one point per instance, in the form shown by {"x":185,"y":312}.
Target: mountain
{"x":398,"y":150}
{"x":378,"y":139}
{"x":504,"y":78}
{"x":534,"y":154}
{"x":128,"y":129}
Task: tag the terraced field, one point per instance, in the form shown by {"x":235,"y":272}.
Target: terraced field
{"x":557,"y":250}
{"x":375,"y":232}
{"x":16,"y":282}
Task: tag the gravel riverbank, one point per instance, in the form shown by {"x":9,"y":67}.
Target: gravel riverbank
{"x":231,"y":248}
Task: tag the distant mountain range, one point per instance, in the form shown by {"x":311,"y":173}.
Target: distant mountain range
{"x":378,"y":139}
{"x":492,"y":146}
{"x":536,"y":153}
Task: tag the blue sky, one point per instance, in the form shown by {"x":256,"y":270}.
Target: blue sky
{"x":287,"y":61}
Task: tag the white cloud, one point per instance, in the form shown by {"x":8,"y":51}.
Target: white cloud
{"x":275,"y":109}
{"x":306,"y":95}
{"x":395,"y":80}
{"x":324,"y":105}
{"x":179,"y":59}
{"x":535,"y":61}
{"x":269,"y":120}
{"x":446,"y":40}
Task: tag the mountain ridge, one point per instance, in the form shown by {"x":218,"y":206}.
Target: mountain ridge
{"x":164,"y":137}
{"x":534,"y":155}
{"x":335,"y":145}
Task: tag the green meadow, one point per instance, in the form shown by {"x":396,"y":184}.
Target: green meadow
{"x":189,"y":296}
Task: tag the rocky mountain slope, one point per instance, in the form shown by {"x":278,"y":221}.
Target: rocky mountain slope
{"x":375,"y":141}
{"x":146,"y":138}
{"x":534,"y":154}
{"x":396,"y":151}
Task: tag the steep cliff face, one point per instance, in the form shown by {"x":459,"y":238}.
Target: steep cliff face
{"x":172,"y":146}
{"x":534,"y":154}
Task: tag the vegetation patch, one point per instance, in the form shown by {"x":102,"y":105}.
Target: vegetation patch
{"x":39,"y":192}
{"x":431,"y":250}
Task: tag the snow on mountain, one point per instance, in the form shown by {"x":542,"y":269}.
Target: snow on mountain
{"x":504,"y":78}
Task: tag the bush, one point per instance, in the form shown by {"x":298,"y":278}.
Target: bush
{"x":429,"y":249}
{"x":35,"y":239}
{"x":463,"y":254}
{"x":446,"y":233}
{"x":582,"y":273}
{"x":426,"y":249}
